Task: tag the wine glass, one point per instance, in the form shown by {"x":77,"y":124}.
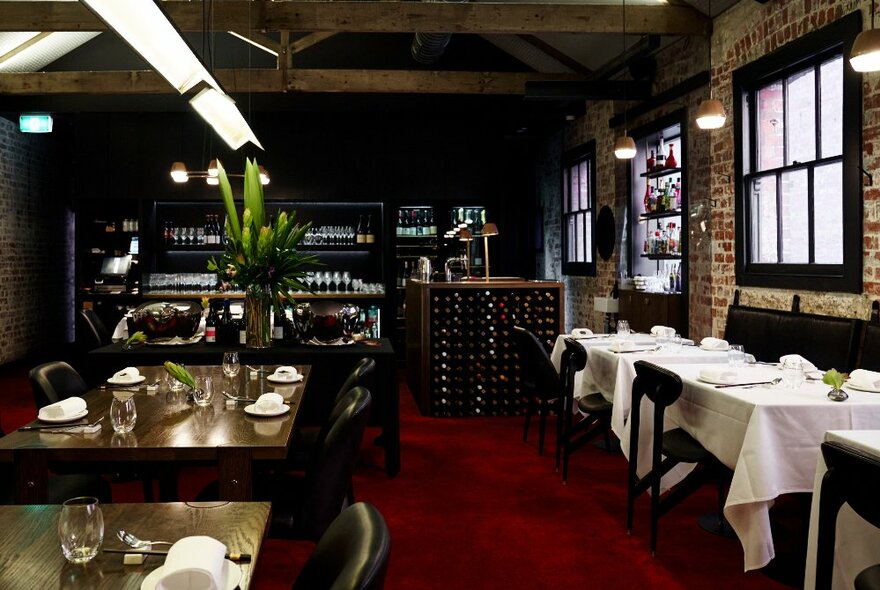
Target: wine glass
{"x":346,"y":279}
{"x":231,"y":365}
{"x":337,"y":278}
{"x":81,"y":529}
{"x":324,"y":281}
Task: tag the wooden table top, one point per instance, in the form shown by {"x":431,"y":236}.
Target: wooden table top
{"x":30,"y":552}
{"x":170,"y":428}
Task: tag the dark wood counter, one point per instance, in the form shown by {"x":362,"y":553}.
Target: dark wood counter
{"x":461,"y":360}
{"x":644,"y":310}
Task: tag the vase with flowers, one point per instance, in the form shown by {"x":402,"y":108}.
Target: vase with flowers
{"x":260,"y":255}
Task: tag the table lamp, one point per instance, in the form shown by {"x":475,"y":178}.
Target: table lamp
{"x":489,"y":229}
{"x":464,"y":235}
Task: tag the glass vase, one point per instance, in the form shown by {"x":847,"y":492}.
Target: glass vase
{"x":258,"y":306}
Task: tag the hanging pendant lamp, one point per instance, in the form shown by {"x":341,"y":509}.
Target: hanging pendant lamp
{"x":865,"y":54}
{"x":624,"y":146}
{"x":710,"y":113}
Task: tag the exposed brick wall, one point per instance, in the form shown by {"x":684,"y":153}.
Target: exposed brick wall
{"x":36,"y":249}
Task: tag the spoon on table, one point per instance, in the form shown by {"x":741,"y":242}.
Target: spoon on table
{"x":775,"y":381}
{"x":136,"y":543}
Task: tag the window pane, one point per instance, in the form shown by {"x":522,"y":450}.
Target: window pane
{"x":588,"y":237}
{"x":831,"y":101}
{"x":579,"y":245}
{"x":801,"y":114}
{"x":764,"y":219}
{"x":746,"y":136}
{"x":771,"y":127}
{"x":795,"y":220}
{"x":566,"y":190}
{"x":575,"y":188}
{"x":569,"y":238}
{"x":585,"y":185}
{"x":828,"y":213}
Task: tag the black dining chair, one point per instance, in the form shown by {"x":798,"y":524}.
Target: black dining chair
{"x":595,"y":409}
{"x":663,"y":387}
{"x":853,"y":477}
{"x":541,"y":384}
{"x":91,"y":331}
{"x":55,"y":381}
{"x":352,"y":554}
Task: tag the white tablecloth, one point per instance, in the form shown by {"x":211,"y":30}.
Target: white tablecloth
{"x":858,"y":542}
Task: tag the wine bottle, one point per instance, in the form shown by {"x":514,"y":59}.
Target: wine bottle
{"x":211,"y":326}
{"x":432,"y":225}
{"x":278,"y":328}
{"x":369,"y":236}
{"x":649,"y":165}
{"x":225,"y":325}
{"x":400,"y":222}
{"x":361,"y":236}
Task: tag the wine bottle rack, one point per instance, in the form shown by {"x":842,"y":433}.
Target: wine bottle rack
{"x":469,"y":364}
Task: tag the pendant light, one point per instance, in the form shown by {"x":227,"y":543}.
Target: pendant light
{"x":865,"y":54}
{"x":624,"y":146}
{"x":710,"y":113}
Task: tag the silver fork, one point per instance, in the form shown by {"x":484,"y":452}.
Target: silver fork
{"x":61,"y":429}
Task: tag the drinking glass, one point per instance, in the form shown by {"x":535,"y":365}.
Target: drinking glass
{"x":675,"y":344}
{"x":123,"y":413}
{"x":346,"y":279}
{"x":736,"y":356}
{"x":792,"y":373}
{"x":337,"y":278}
{"x":203,"y":394}
{"x":231,"y":366}
{"x":174,"y":384}
{"x":623,"y":328}
{"x":80,"y":529}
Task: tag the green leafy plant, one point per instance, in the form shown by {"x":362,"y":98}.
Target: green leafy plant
{"x":135,"y":339}
{"x":834,"y":378}
{"x":260,"y":253}
{"x":180,"y":374}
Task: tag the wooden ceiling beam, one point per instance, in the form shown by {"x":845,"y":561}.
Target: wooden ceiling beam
{"x":263,"y":81}
{"x":381,"y":17}
{"x":309,"y":40}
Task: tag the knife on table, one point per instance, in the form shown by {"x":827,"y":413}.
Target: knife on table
{"x":240,"y":557}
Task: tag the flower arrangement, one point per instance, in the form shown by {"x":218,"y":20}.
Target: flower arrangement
{"x":260,"y":255}
{"x":181,"y":374}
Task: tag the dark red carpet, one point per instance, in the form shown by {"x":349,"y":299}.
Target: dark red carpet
{"x":474,"y":507}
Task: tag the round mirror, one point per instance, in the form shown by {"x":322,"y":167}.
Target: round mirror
{"x":605,"y":232}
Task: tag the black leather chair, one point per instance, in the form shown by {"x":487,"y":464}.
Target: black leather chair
{"x":853,"y":477}
{"x":595,"y":408}
{"x":663,"y":387}
{"x":352,"y":554}
{"x":541,"y":383}
{"x":869,"y":354}
{"x":55,"y":381}
{"x":91,"y":332}
{"x":305,"y":507}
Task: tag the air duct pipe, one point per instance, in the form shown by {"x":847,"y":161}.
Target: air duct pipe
{"x":427,"y":48}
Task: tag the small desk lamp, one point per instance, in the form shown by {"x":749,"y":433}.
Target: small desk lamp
{"x":489,"y":229}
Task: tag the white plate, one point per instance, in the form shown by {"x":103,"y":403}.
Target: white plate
{"x":252,"y":410}
{"x":76,"y":416}
{"x":118,"y":381}
{"x":715,"y":382}
{"x":276,"y":379}
{"x":233,"y":576}
{"x":710,"y":349}
{"x":858,"y":388}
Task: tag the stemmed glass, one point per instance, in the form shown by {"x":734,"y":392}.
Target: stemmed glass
{"x":346,"y":279}
{"x":81,"y":529}
{"x":337,"y":279}
{"x":231,"y":365}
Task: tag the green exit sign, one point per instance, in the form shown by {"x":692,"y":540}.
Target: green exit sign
{"x":35,"y":123}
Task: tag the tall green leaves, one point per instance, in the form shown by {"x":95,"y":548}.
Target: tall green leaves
{"x":233,"y":227}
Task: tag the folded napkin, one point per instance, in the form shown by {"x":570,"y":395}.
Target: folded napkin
{"x":60,"y":410}
{"x":865,"y":379}
{"x":268,"y":402}
{"x":194,"y":563}
{"x":717,"y":375}
{"x":710,"y":343}
{"x":581,"y":332}
{"x":619,"y":345}
{"x":285,"y":372}
{"x":663,"y":331}
{"x":805,"y":364}
{"x":127,"y":374}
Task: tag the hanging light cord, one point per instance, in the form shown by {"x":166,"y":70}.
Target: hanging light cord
{"x":623,"y":53}
{"x":710,"y":51}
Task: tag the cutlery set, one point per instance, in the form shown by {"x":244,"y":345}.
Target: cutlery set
{"x":137,"y":547}
{"x":62,"y":427}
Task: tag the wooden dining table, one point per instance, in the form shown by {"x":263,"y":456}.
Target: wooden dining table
{"x":170,"y":432}
{"x":30,"y":551}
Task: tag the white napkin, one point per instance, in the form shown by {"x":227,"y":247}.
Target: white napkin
{"x":710,"y":343}
{"x":194,"y":563}
{"x":287,"y":373}
{"x":127,"y":374}
{"x":865,"y":379}
{"x":805,"y":364}
{"x":60,"y":410}
{"x":268,"y":403}
{"x":581,"y":332}
{"x":663,"y":331}
{"x":717,"y":375}
{"x":619,"y":345}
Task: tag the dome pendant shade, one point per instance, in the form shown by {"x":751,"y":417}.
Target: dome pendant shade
{"x":710,"y":114}
{"x":625,"y":148}
{"x":865,"y":55}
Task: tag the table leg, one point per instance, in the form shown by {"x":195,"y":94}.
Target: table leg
{"x":235,"y":469}
{"x":31,"y":476}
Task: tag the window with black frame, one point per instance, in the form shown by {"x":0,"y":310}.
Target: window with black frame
{"x":798,"y":158}
{"x":578,"y":214}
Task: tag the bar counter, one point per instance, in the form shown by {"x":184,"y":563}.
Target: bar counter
{"x":330,"y":367}
{"x":460,"y":354}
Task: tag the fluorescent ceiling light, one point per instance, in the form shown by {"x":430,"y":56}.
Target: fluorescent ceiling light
{"x":221,"y":113}
{"x":143,"y":25}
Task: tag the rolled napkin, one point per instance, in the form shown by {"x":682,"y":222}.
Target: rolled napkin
{"x":60,"y":410}
{"x":663,"y":331}
{"x":194,"y":563}
{"x":710,"y":343}
{"x":865,"y":379}
{"x":268,"y":403}
{"x":126,"y":374}
{"x":581,"y":332}
{"x":620,"y":345}
{"x":805,"y":364}
{"x":285,"y":372}
{"x":717,"y":375}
